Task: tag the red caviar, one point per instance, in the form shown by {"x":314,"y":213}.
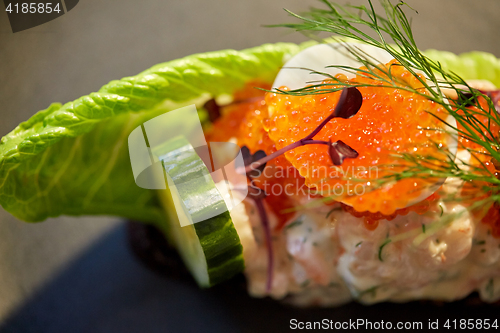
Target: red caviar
{"x":390,"y":120}
{"x":247,"y":105}
{"x":243,"y":121}
{"x":371,"y":220}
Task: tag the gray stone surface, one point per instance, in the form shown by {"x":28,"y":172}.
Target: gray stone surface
{"x":103,"y":40}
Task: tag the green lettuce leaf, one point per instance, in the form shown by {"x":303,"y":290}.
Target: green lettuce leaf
{"x":73,"y":159}
{"x":469,"y":66}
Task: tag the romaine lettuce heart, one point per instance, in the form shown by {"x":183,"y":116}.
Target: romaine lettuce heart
{"x":73,"y":159}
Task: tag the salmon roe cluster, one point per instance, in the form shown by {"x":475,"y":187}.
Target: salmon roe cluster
{"x":389,"y":120}
{"x":371,"y":220}
{"x":242,"y":121}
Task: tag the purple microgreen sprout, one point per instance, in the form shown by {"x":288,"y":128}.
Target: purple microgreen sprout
{"x":339,"y":151}
{"x":249,"y":159}
{"x":213,"y":110}
{"x":349,"y":103}
{"x":258,"y":195}
{"x":259,"y":203}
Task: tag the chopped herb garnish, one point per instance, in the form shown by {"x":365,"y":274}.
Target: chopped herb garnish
{"x":490,"y":288}
{"x":359,"y":244}
{"x":372,"y":291}
{"x":392,"y":33}
{"x":423,"y":228}
{"x":294,"y":224}
{"x":348,"y":105}
{"x":333,"y":210}
{"x":481,"y":242}
{"x":387,"y":241}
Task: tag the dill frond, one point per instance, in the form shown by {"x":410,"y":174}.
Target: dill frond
{"x":393,"y":34}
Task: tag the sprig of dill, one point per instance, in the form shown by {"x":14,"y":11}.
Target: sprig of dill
{"x":393,"y":34}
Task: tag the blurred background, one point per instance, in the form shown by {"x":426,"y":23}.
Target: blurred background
{"x":99,"y":41}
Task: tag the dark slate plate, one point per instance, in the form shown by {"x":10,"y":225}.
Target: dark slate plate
{"x":108,"y":290}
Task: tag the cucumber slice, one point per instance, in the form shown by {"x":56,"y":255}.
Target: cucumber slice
{"x":200,"y":224}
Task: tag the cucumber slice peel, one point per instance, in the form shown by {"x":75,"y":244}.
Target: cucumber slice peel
{"x":200,"y":224}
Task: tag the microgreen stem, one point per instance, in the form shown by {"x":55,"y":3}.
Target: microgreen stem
{"x":468,"y":111}
{"x":277,"y":153}
{"x":335,"y":113}
{"x":348,"y":105}
{"x":269,"y":243}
